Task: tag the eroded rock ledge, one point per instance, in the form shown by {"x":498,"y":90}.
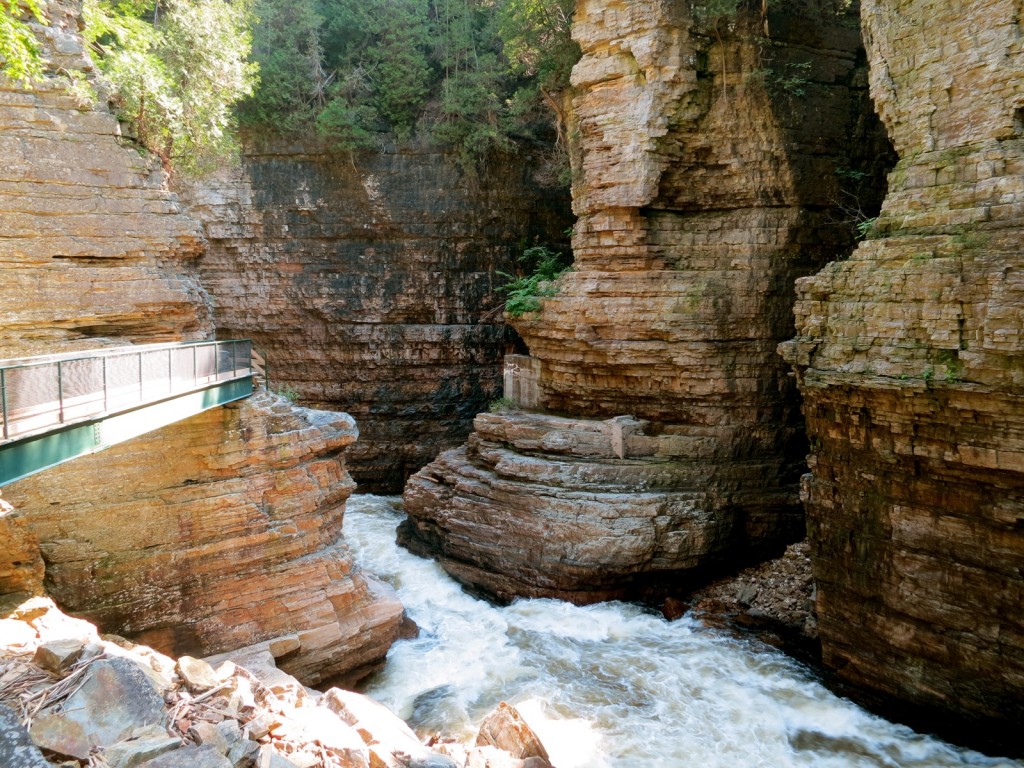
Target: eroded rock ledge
{"x":909,"y":357}
{"x":704,"y":186}
{"x":581,"y":510}
{"x":216,"y":533}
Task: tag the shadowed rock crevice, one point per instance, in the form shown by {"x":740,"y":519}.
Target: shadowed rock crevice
{"x":908,"y":357}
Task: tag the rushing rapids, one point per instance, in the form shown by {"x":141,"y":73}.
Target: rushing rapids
{"x":613,"y":685}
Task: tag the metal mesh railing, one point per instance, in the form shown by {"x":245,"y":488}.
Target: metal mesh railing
{"x":40,"y":394}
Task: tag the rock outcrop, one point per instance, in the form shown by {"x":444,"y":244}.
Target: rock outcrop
{"x":86,"y":221}
{"x":236,"y":540}
{"x":909,"y":356}
{"x":125,"y":705}
{"x":712,"y":169}
{"x":371,"y":283}
{"x":220,"y":531}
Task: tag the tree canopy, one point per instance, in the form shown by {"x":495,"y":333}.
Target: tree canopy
{"x":473,"y":75}
{"x":178,"y":68}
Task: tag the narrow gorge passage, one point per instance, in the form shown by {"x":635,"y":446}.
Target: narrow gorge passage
{"x":614,"y":685}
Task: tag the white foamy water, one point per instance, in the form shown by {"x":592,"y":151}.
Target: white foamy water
{"x":612,"y":685}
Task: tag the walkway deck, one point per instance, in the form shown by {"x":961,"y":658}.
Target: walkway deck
{"x":59,"y":407}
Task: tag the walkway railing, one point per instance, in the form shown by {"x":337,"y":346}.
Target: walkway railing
{"x":41,"y":394}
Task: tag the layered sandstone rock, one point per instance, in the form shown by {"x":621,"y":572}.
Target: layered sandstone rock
{"x":21,"y":566}
{"x":233,"y":538}
{"x":712,"y":170}
{"x":86,"y":221}
{"x":371,"y":283}
{"x":219,"y":531}
{"x":909,"y":357}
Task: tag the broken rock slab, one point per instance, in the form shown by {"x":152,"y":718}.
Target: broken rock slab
{"x":117,"y":699}
{"x":189,"y":757}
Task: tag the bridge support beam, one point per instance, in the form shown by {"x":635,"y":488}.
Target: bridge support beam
{"x":26,"y":457}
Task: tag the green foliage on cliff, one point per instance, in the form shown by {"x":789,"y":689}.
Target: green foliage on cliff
{"x":19,"y":50}
{"x":177,"y":67}
{"x":471,"y":75}
{"x":542,"y":267}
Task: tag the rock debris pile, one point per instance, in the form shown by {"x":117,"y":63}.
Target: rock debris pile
{"x":72,"y":698}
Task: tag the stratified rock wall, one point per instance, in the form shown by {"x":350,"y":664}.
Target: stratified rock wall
{"x":370,"y":282}
{"x":217,"y":532}
{"x":910,"y":363}
{"x":213,"y":533}
{"x":714,"y":165}
{"x":86,"y":221}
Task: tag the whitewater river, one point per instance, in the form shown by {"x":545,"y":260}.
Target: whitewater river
{"x":613,"y":685}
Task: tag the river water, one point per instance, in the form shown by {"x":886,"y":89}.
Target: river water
{"x":614,"y":685}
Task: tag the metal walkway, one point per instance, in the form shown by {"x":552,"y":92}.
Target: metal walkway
{"x":59,"y":407}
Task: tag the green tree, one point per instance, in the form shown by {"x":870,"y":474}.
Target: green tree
{"x":19,"y":50}
{"x":178,"y":67}
{"x":286,"y":46}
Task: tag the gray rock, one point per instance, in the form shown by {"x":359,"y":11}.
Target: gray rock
{"x":16,"y":747}
{"x":197,"y":674}
{"x":117,"y":699}
{"x":230,"y":732}
{"x":208,"y":735}
{"x":269,"y":758}
{"x":244,"y":753}
{"x":130,"y":754}
{"x":746,"y":594}
{"x":58,"y":655}
{"x":189,"y":757}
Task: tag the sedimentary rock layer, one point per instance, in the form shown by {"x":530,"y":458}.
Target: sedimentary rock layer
{"x":584,"y":510}
{"x":86,"y":221}
{"x":371,"y":282}
{"x":217,"y":532}
{"x":716,"y":161}
{"x":211,"y":534}
{"x":909,"y":356}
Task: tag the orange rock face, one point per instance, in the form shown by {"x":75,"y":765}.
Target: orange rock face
{"x":909,"y":357}
{"x":217,"y":532}
{"x":86,"y":222}
{"x":710,"y":172}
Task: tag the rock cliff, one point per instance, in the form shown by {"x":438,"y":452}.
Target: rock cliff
{"x":370,"y":281}
{"x":909,"y":358}
{"x":712,"y":168}
{"x":85,"y":221}
{"x":218,"y":531}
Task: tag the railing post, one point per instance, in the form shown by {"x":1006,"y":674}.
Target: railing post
{"x":195,"y":367}
{"x":3,"y":399}
{"x":106,"y":396}
{"x":60,"y":393}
